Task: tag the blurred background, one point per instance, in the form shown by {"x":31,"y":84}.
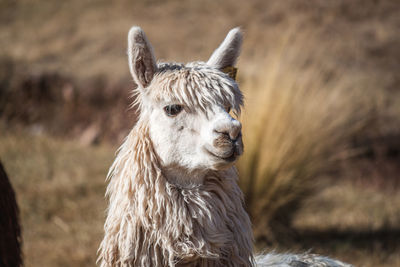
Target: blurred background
{"x":321,"y":169}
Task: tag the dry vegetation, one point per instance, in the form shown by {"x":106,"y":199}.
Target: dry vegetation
{"x":298,"y":128}
{"x":60,"y":188}
{"x":321,"y":120}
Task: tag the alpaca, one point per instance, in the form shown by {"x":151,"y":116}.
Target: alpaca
{"x":10,"y":230}
{"x":173,"y":194}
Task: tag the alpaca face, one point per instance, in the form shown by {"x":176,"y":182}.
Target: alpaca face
{"x":188,"y":107}
{"x":192,"y":138}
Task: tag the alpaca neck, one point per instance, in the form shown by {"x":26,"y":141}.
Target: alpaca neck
{"x":184,"y":178}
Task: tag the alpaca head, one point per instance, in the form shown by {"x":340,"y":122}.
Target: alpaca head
{"x":190,"y":109}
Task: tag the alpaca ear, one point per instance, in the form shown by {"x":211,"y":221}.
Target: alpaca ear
{"x":142,"y":63}
{"x":228,"y":52}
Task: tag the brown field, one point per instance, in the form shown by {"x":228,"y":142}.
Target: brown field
{"x":321,"y":170}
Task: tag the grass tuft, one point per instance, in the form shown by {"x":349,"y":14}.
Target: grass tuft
{"x":299,"y":122}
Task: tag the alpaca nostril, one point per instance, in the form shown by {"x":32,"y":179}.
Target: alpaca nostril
{"x":231,"y":130}
{"x":236,"y":137}
{"x":231,"y":135}
{"x":235,"y":132}
{"x":224,"y":133}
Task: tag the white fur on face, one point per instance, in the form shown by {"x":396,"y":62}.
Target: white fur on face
{"x":203,"y":136}
{"x":188,"y":142}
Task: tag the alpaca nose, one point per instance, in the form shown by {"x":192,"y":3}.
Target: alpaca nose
{"x":232,"y":129}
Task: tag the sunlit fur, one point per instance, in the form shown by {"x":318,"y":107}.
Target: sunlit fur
{"x":152,"y":222}
{"x":173,"y":194}
{"x":196,"y":84}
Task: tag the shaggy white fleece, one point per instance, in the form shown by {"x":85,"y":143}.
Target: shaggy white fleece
{"x":173,"y":194}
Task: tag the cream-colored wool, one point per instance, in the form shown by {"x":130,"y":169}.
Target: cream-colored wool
{"x":173,"y":193}
{"x":152,"y":222}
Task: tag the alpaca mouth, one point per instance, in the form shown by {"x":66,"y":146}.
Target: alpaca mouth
{"x":231,"y":158}
{"x":225,"y":154}
{"x":227,"y":157}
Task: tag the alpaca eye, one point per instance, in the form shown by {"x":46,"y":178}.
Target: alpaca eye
{"x":172,"y":110}
{"x":228,"y":109}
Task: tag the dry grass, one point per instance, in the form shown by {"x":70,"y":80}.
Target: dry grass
{"x":60,"y":188}
{"x":358,"y":224}
{"x":313,"y":73}
{"x":85,"y":38}
{"x":371,"y":209}
{"x":297,"y":125}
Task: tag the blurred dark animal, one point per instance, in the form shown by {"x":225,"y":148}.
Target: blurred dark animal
{"x":10,"y":230}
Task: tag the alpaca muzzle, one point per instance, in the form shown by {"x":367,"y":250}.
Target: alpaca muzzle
{"x":226,"y":148}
